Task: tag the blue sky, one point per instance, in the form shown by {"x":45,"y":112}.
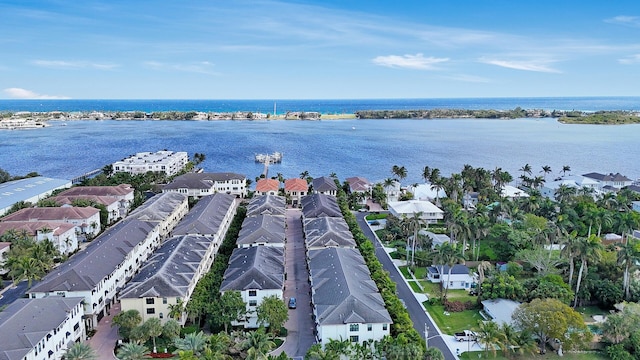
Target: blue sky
{"x":158,"y":49}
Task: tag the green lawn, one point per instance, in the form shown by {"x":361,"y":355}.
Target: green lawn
{"x":405,"y":272}
{"x":420,"y":272}
{"x":587,"y":312}
{"x":549,"y":355}
{"x":415,"y":286}
{"x":455,"y":321}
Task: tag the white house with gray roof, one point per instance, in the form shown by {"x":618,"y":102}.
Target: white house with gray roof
{"x":267,"y":230}
{"x":267,"y":205}
{"x":324,"y":232}
{"x":458,"y":278}
{"x":346,"y":302}
{"x":256,"y":272}
{"x":203,"y":184}
{"x":211,"y":217}
{"x":319,"y":205}
{"x":165,"y":209}
{"x":324,"y":185}
{"x":33,"y":329}
{"x":164,"y":161}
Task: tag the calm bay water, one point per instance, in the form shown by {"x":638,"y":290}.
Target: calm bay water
{"x":347,"y":147}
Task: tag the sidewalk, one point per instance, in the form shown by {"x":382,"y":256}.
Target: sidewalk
{"x":106,"y":337}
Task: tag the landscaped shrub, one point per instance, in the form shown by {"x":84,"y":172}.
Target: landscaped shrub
{"x":458,"y":306}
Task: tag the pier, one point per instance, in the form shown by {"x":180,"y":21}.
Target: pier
{"x":268,"y":159}
{"x":81,"y":178}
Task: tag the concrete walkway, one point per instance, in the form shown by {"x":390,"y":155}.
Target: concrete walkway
{"x":106,"y":337}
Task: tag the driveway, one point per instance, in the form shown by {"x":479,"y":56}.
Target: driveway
{"x":300,"y":324}
{"x":12,"y":293}
{"x":416,"y":312}
{"x":106,"y":336}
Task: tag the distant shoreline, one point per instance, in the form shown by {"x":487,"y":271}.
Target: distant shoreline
{"x":26,"y":119}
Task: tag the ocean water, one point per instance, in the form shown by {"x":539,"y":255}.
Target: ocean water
{"x":347,"y":147}
{"x":347,"y":106}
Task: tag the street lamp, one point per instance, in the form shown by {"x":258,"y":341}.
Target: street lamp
{"x":426,"y":336}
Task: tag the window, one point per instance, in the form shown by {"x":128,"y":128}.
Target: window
{"x":150,"y":301}
{"x":253,"y":292}
{"x":151,"y":311}
{"x":253,"y":302}
{"x":164,"y":300}
{"x":76,"y":326}
{"x":161,"y":316}
{"x":354,"y":327}
{"x":384,"y":327}
{"x":354,"y":339}
{"x":369,"y":327}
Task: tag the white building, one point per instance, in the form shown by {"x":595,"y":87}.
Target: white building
{"x":459,"y":279}
{"x":635,"y":205}
{"x":167,"y":162}
{"x":165,"y":209}
{"x":117,"y":199}
{"x":430,"y":213}
{"x":512,"y":192}
{"x":203,"y":184}
{"x":345,"y":300}
{"x":611,"y":181}
{"x":267,"y":187}
{"x":296,"y":188}
{"x":85,"y":219}
{"x":256,"y":272}
{"x":62,"y":235}
{"x":40,"y":329}
{"x":428,"y":192}
{"x":549,"y":189}
{"x":262,"y":230}
{"x":500,"y":310}
{"x":29,"y":190}
{"x":324,"y":185}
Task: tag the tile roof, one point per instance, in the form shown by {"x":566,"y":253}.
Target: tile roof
{"x":84,"y":270}
{"x":343,"y":291}
{"x":206,"y":216}
{"x":320,"y":205}
{"x":26,"y":322}
{"x":262,"y":229}
{"x":324,"y":183}
{"x":118,"y":190}
{"x":69,"y":199}
{"x":257,"y":267}
{"x":266,"y":185}
{"x":52,"y":213}
{"x":170,"y":270}
{"x":32,"y":227}
{"x":267,"y":205}
{"x":327,"y":232}
{"x":358,"y":183}
{"x":296,"y":184}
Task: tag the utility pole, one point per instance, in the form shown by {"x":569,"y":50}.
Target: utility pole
{"x":426,"y":336}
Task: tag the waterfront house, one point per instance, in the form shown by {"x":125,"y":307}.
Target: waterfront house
{"x":358,"y":184}
{"x":123,"y":193}
{"x":460,"y":277}
{"x":428,"y":192}
{"x":85,"y":219}
{"x":500,"y":310}
{"x":62,"y":235}
{"x":549,"y":189}
{"x":324,"y":232}
{"x":203,"y":184}
{"x":33,"y":329}
{"x":267,"y":187}
{"x":430,"y":213}
{"x":318,"y":205}
{"x":324,"y":185}
{"x":256,"y":272}
{"x":612,"y":182}
{"x":345,"y":301}
{"x":512,"y":192}
{"x":29,"y":190}
{"x":167,"y":162}
{"x":267,"y":205}
{"x":262,"y":230}
{"x":295,"y":189}
{"x":392,"y":190}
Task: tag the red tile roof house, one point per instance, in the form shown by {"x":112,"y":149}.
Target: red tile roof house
{"x":62,"y":235}
{"x":123,"y":193}
{"x":112,"y":204}
{"x":86,"y":219}
{"x":295,"y":189}
{"x":267,"y":187}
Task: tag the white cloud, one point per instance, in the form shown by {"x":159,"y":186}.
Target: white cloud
{"x":468,"y":78}
{"x":19,"y":93}
{"x":202,"y":67}
{"x":633,"y":21}
{"x":60,"y":64}
{"x":633,"y":59}
{"x":537,"y":65}
{"x":417,"y":61}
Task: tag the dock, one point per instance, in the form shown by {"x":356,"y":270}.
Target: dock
{"x":268,"y":159}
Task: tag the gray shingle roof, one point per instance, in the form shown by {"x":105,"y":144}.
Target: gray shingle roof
{"x":457,"y":269}
{"x":258,"y":267}
{"x":343,"y":291}
{"x":201,"y":180}
{"x":86,"y":269}
{"x":159,"y":207}
{"x":605,"y":177}
{"x":262,"y":229}
{"x":170,"y":271}
{"x":25,"y":322}
{"x":267,"y":204}
{"x":206,"y":216}
{"x":327,"y":232}
{"x":319,"y":205}
{"x":324,"y":183}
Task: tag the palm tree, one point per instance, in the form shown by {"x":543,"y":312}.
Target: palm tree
{"x":316,"y":352}
{"x":438,"y":185}
{"x":133,"y":351}
{"x":258,"y":340}
{"x":339,"y":347}
{"x":414,"y":224}
{"x":447,"y":254}
{"x":546,"y":169}
{"x":565,"y":168}
{"x":304,"y":174}
{"x":194,"y":342}
{"x":153,"y":328}
{"x":176,"y":310}
{"x":459,"y":228}
{"x":588,"y":249}
{"x":25,"y":268}
{"x":400,"y":172}
{"x":426,"y":173}
{"x":628,"y":255}
{"x":80,"y":351}
{"x":570,"y":251}
{"x":564,"y":193}
{"x":490,"y":336}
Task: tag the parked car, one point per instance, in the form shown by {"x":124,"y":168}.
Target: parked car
{"x":292,"y":303}
{"x":466,"y":335}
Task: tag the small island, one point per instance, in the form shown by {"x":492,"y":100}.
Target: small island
{"x":601,"y":118}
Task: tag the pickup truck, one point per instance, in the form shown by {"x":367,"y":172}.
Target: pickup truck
{"x":466,"y":335}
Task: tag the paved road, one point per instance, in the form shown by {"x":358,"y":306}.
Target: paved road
{"x":300,"y":323}
{"x":106,"y":336}
{"x":10,"y":293}
{"x":417,"y":314}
